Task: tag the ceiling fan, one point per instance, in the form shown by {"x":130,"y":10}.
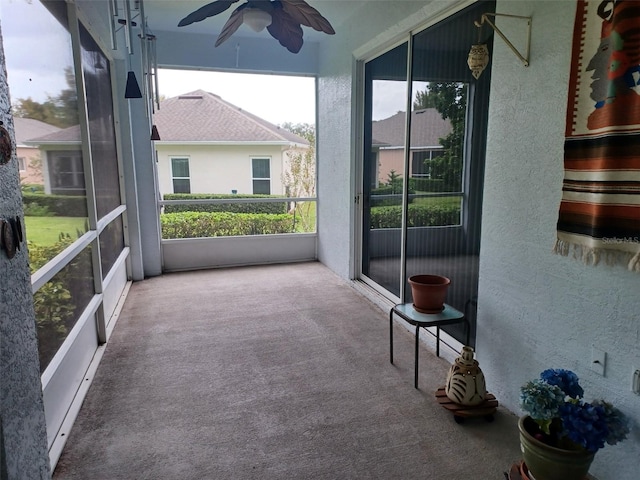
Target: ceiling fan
{"x":282,"y":18}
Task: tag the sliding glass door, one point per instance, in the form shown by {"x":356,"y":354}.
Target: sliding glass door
{"x":423,"y":171}
{"x":384,"y":168}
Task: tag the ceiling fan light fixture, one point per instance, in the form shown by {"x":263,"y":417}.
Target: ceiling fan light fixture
{"x":256,"y":19}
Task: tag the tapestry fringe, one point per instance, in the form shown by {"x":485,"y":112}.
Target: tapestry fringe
{"x":593,"y":256}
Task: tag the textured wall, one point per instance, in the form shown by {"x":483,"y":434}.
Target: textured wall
{"x":537,"y":310}
{"x":23,"y":426}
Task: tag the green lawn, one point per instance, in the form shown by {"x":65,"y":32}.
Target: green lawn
{"x":444,"y":202}
{"x":308,"y":223}
{"x":46,"y":230}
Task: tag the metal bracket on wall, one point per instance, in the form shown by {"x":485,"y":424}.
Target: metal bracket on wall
{"x":523,"y":58}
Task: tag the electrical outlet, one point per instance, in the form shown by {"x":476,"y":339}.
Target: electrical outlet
{"x":635,"y":381}
{"x":598,"y":360}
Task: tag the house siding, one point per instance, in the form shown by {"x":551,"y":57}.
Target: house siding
{"x":219,"y":169}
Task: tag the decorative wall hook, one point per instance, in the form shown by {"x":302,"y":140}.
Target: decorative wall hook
{"x":523,"y":58}
{"x":5,"y":145}
{"x":8,"y":240}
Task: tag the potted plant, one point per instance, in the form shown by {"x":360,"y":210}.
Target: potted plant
{"x":561,"y":432}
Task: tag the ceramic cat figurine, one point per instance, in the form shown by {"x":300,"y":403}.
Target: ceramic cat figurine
{"x":465,"y":381}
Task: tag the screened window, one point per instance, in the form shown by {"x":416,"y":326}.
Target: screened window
{"x":180,"y":175}
{"x":22,"y":164}
{"x":67,"y":173}
{"x":97,"y":83}
{"x":424,"y":162}
{"x":261,"y":176}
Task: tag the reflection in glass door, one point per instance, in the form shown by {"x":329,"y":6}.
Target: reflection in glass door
{"x":423,"y":172}
{"x":384,"y":168}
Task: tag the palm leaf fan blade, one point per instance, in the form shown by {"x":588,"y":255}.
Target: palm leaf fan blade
{"x":233,"y":23}
{"x":209,"y":10}
{"x":286,"y":30}
{"x":305,"y":14}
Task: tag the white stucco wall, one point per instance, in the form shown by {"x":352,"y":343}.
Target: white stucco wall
{"x":536,"y":310}
{"x":219,"y":168}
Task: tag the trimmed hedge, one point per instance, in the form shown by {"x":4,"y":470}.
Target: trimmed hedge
{"x":58,"y":205}
{"x":270,"y":208}
{"x":385,"y":202}
{"x":223,"y":224}
{"x":417,"y":215}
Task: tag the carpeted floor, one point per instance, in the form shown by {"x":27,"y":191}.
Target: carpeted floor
{"x":271,"y":372}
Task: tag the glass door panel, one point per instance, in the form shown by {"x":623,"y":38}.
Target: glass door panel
{"x":384,"y":168}
{"x":442,"y":158}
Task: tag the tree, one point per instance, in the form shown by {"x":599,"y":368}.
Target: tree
{"x":299,"y":177}
{"x":394,"y":180}
{"x":450,"y":100}
{"x":304,"y":130}
{"x":60,"y":111}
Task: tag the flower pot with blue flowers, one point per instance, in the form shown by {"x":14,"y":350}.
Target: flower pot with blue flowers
{"x":562,"y":432}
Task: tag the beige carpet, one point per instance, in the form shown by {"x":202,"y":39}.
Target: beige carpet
{"x":271,"y":372}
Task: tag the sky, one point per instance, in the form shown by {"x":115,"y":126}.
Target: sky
{"x":37,"y":50}
{"x":275,"y":98}
{"x":36,"y":65}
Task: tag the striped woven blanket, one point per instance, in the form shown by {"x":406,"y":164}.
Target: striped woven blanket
{"x":599,"y":218}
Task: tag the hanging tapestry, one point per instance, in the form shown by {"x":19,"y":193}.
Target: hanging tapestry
{"x":599,"y":217}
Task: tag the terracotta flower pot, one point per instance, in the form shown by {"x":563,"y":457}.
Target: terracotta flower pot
{"x":545,"y":462}
{"x":429,"y":292}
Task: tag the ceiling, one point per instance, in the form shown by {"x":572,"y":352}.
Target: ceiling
{"x":164,"y":15}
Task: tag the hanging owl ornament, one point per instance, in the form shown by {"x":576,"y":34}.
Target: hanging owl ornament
{"x":478,"y":59}
{"x":282,"y":18}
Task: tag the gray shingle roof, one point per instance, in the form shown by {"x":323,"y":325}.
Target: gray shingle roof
{"x":201,"y":116}
{"x":427,"y":127}
{"x":69,"y":135}
{"x":28,"y":128}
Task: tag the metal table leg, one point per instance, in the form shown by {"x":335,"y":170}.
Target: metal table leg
{"x":391,"y":335}
{"x":415,"y":379}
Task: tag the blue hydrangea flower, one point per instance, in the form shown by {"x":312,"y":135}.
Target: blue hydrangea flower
{"x":617,"y":422}
{"x":541,"y":400}
{"x":585,"y":424}
{"x":565,"y":379}
{"x":555,"y":403}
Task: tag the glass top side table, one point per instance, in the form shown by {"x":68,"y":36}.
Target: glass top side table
{"x":448,"y":316}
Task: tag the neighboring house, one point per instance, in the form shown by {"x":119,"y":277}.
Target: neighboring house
{"x":207,"y":146}
{"x":29,"y":158}
{"x":61,"y":153}
{"x":211,"y":146}
{"x":427,"y":128}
